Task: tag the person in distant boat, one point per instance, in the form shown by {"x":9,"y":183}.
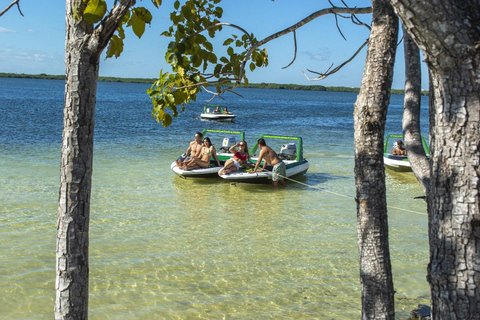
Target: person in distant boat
{"x":203,"y":161}
{"x":217,"y":110}
{"x":270,"y":157}
{"x":241,"y":156}
{"x":400,"y":149}
{"x":193,"y":150}
{"x":225,"y":111}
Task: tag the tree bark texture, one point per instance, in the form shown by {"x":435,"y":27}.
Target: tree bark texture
{"x":370,"y":112}
{"x":448,"y":33}
{"x":411,"y":113}
{"x":83,"y":45}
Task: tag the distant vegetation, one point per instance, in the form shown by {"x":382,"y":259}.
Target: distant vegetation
{"x":251,"y":85}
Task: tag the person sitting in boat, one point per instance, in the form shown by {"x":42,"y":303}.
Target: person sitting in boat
{"x":269,"y":156}
{"x":193,"y":150}
{"x":217,"y":110}
{"x":399,"y":149}
{"x":240,"y":156}
{"x":203,"y":161}
{"x":225,"y":111}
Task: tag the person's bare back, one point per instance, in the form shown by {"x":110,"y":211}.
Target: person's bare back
{"x":269,"y":156}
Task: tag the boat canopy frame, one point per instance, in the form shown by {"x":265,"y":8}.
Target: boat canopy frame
{"x":299,"y":140}
{"x":241,"y":133}
{"x":398,"y":136}
{"x":214,"y":106}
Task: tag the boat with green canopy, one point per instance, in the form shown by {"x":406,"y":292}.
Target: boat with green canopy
{"x":290,"y":152}
{"x":398,"y":162}
{"x":226,"y":139}
{"x":216,"y":112}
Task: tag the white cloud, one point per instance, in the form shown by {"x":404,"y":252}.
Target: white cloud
{"x":3,"y":30}
{"x":323,"y":54}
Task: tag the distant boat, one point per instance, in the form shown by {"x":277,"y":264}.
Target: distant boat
{"x":397,"y":162}
{"x":290,"y":153}
{"x":216,"y":112}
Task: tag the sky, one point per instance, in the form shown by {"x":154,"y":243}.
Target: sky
{"x":35,"y":43}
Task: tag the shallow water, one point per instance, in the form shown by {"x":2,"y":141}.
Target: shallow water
{"x":165,"y":247}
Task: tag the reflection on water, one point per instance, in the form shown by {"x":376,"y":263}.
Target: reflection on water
{"x":166,"y":247}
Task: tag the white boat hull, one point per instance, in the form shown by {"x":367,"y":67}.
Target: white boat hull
{"x":293,"y":169}
{"x":219,"y":116}
{"x":198,"y":173}
{"x":397,"y":164}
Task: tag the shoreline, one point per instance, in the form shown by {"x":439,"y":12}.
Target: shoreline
{"x":262,"y":85}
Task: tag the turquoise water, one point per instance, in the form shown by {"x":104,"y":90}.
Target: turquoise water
{"x":165,"y":247}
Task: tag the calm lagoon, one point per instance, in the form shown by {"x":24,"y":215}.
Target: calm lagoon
{"x":165,"y":247}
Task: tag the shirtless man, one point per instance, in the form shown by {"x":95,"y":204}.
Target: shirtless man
{"x":400,"y":149}
{"x":194,"y":149}
{"x":269,"y":156}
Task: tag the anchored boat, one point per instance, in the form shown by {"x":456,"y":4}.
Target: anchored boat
{"x":229,"y":138}
{"x":398,"y":162}
{"x":216,"y":112}
{"x":291,"y":153}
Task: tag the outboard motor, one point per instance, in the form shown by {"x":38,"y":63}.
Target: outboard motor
{"x":288,"y":151}
{"x":228,"y":143}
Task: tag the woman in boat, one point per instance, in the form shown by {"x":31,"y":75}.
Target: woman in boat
{"x":208,"y":151}
{"x":240,"y":156}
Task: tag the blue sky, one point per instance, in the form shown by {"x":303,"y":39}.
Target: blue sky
{"x":35,"y":43}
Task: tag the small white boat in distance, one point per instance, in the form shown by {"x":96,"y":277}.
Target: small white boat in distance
{"x":397,"y":162}
{"x":216,"y":112}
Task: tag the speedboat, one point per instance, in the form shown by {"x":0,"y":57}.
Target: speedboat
{"x":291,"y":153}
{"x":216,"y":112}
{"x":396,"y":162}
{"x":229,"y":139}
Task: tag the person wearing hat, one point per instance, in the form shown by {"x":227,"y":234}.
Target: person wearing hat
{"x":400,"y":149}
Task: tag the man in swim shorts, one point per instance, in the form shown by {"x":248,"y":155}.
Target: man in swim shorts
{"x":270,"y":157}
{"x":193,"y":150}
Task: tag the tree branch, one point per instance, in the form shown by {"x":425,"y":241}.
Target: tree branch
{"x":106,"y":28}
{"x":327,"y":72}
{"x":16,"y":2}
{"x":295,"y":50}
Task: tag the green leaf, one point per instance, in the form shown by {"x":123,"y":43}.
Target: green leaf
{"x":140,"y":17}
{"x":252,"y":66}
{"x":157,"y":3}
{"x":227,"y":42}
{"x":115,"y":47}
{"x":94,"y":11}
{"x":167,"y":120}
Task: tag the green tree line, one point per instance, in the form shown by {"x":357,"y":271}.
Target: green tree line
{"x":263,"y":85}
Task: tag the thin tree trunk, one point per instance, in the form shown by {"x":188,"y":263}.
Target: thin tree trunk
{"x":369,"y":121}
{"x":411,"y":113}
{"x":447,"y":32}
{"x":83,"y":46}
{"x":75,"y":175}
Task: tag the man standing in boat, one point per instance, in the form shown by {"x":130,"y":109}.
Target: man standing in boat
{"x":194,"y":149}
{"x":269,"y":156}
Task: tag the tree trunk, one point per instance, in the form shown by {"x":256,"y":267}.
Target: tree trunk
{"x":370,"y":112}
{"x":448,"y":33}
{"x":411,"y":113}
{"x":83,"y":46}
{"x":75,"y":175}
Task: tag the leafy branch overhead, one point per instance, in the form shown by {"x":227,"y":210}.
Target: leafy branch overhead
{"x":122,"y":13}
{"x":196,"y":65}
